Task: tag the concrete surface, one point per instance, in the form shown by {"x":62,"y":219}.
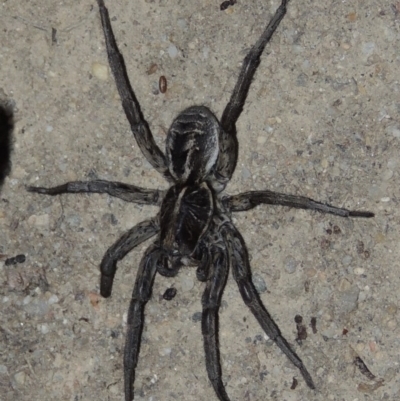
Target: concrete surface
{"x":322,"y":120}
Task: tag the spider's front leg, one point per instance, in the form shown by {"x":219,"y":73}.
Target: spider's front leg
{"x":239,"y":261}
{"x":141,"y":294}
{"x":228,"y":147}
{"x":139,"y":125}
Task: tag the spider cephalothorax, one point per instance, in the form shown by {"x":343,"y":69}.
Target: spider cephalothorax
{"x":194,"y":225}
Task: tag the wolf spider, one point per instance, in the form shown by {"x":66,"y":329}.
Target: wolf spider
{"x":194,"y":225}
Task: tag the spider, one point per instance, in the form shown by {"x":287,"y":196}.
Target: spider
{"x":194,"y":225}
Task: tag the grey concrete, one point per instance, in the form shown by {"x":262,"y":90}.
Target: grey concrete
{"x":322,"y":120}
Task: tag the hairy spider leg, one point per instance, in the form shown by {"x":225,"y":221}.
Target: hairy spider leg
{"x":141,"y":294}
{"x":251,"y":199}
{"x":211,"y":302}
{"x":239,"y":262}
{"x":117,"y":251}
{"x":228,"y":144}
{"x":130,"y":104}
{"x":126,"y":192}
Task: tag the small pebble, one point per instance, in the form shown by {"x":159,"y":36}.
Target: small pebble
{"x":187,"y":283}
{"x":3,"y":370}
{"x":53,"y":299}
{"x":100,"y":71}
{"x":346,"y":260}
{"x":197,"y":316}
{"x":259,"y":283}
{"x":172,"y":51}
{"x":290,"y":264}
{"x":359,"y":271}
{"x":19,"y":378}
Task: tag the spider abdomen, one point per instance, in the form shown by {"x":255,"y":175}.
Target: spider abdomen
{"x":185,"y":216}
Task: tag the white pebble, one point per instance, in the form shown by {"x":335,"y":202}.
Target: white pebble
{"x":359,"y":271}
{"x":172,"y":51}
{"x":100,"y":71}
{"x":39,"y":220}
{"x":53,"y":299}
{"x":44,"y":328}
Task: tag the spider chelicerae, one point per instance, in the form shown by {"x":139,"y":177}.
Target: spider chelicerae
{"x":194,"y":225}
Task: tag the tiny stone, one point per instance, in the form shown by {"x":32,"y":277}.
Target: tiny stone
{"x":347,"y":260}
{"x":19,"y":378}
{"x":39,"y":220}
{"x":3,"y":370}
{"x":359,"y":271}
{"x":172,"y":51}
{"x":53,"y":299}
{"x":261,"y":140}
{"x":100,"y":71}
{"x":187,"y":283}
{"x":197,"y":317}
{"x":259,"y":283}
{"x":44,"y":328}
{"x":165,"y":351}
{"x":245,"y":173}
{"x":290,"y":264}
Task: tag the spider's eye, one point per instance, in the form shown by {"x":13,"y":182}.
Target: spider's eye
{"x":192,"y":144}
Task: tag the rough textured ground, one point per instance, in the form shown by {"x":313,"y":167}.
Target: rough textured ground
{"x":322,"y":120}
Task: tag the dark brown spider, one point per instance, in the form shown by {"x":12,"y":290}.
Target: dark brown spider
{"x":194,"y":226}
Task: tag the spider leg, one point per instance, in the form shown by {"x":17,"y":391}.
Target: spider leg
{"x":248,"y":200}
{"x":228,"y":142}
{"x":239,"y":261}
{"x":211,"y":301}
{"x":130,"y":104}
{"x":117,"y":251}
{"x":141,"y":294}
{"x":126,"y":192}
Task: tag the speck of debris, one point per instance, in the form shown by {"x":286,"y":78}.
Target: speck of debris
{"x":169,"y":293}
{"x":162,"y":84}
{"x":313,"y":325}
{"x":152,"y":69}
{"x":14,"y":260}
{"x":294,"y":383}
{"x":301,"y":329}
{"x":225,"y":4}
{"x":363,"y":368}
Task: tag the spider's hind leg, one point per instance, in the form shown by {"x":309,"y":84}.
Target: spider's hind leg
{"x":117,"y":251}
{"x":211,"y":301}
{"x":141,"y":294}
{"x":239,"y":261}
